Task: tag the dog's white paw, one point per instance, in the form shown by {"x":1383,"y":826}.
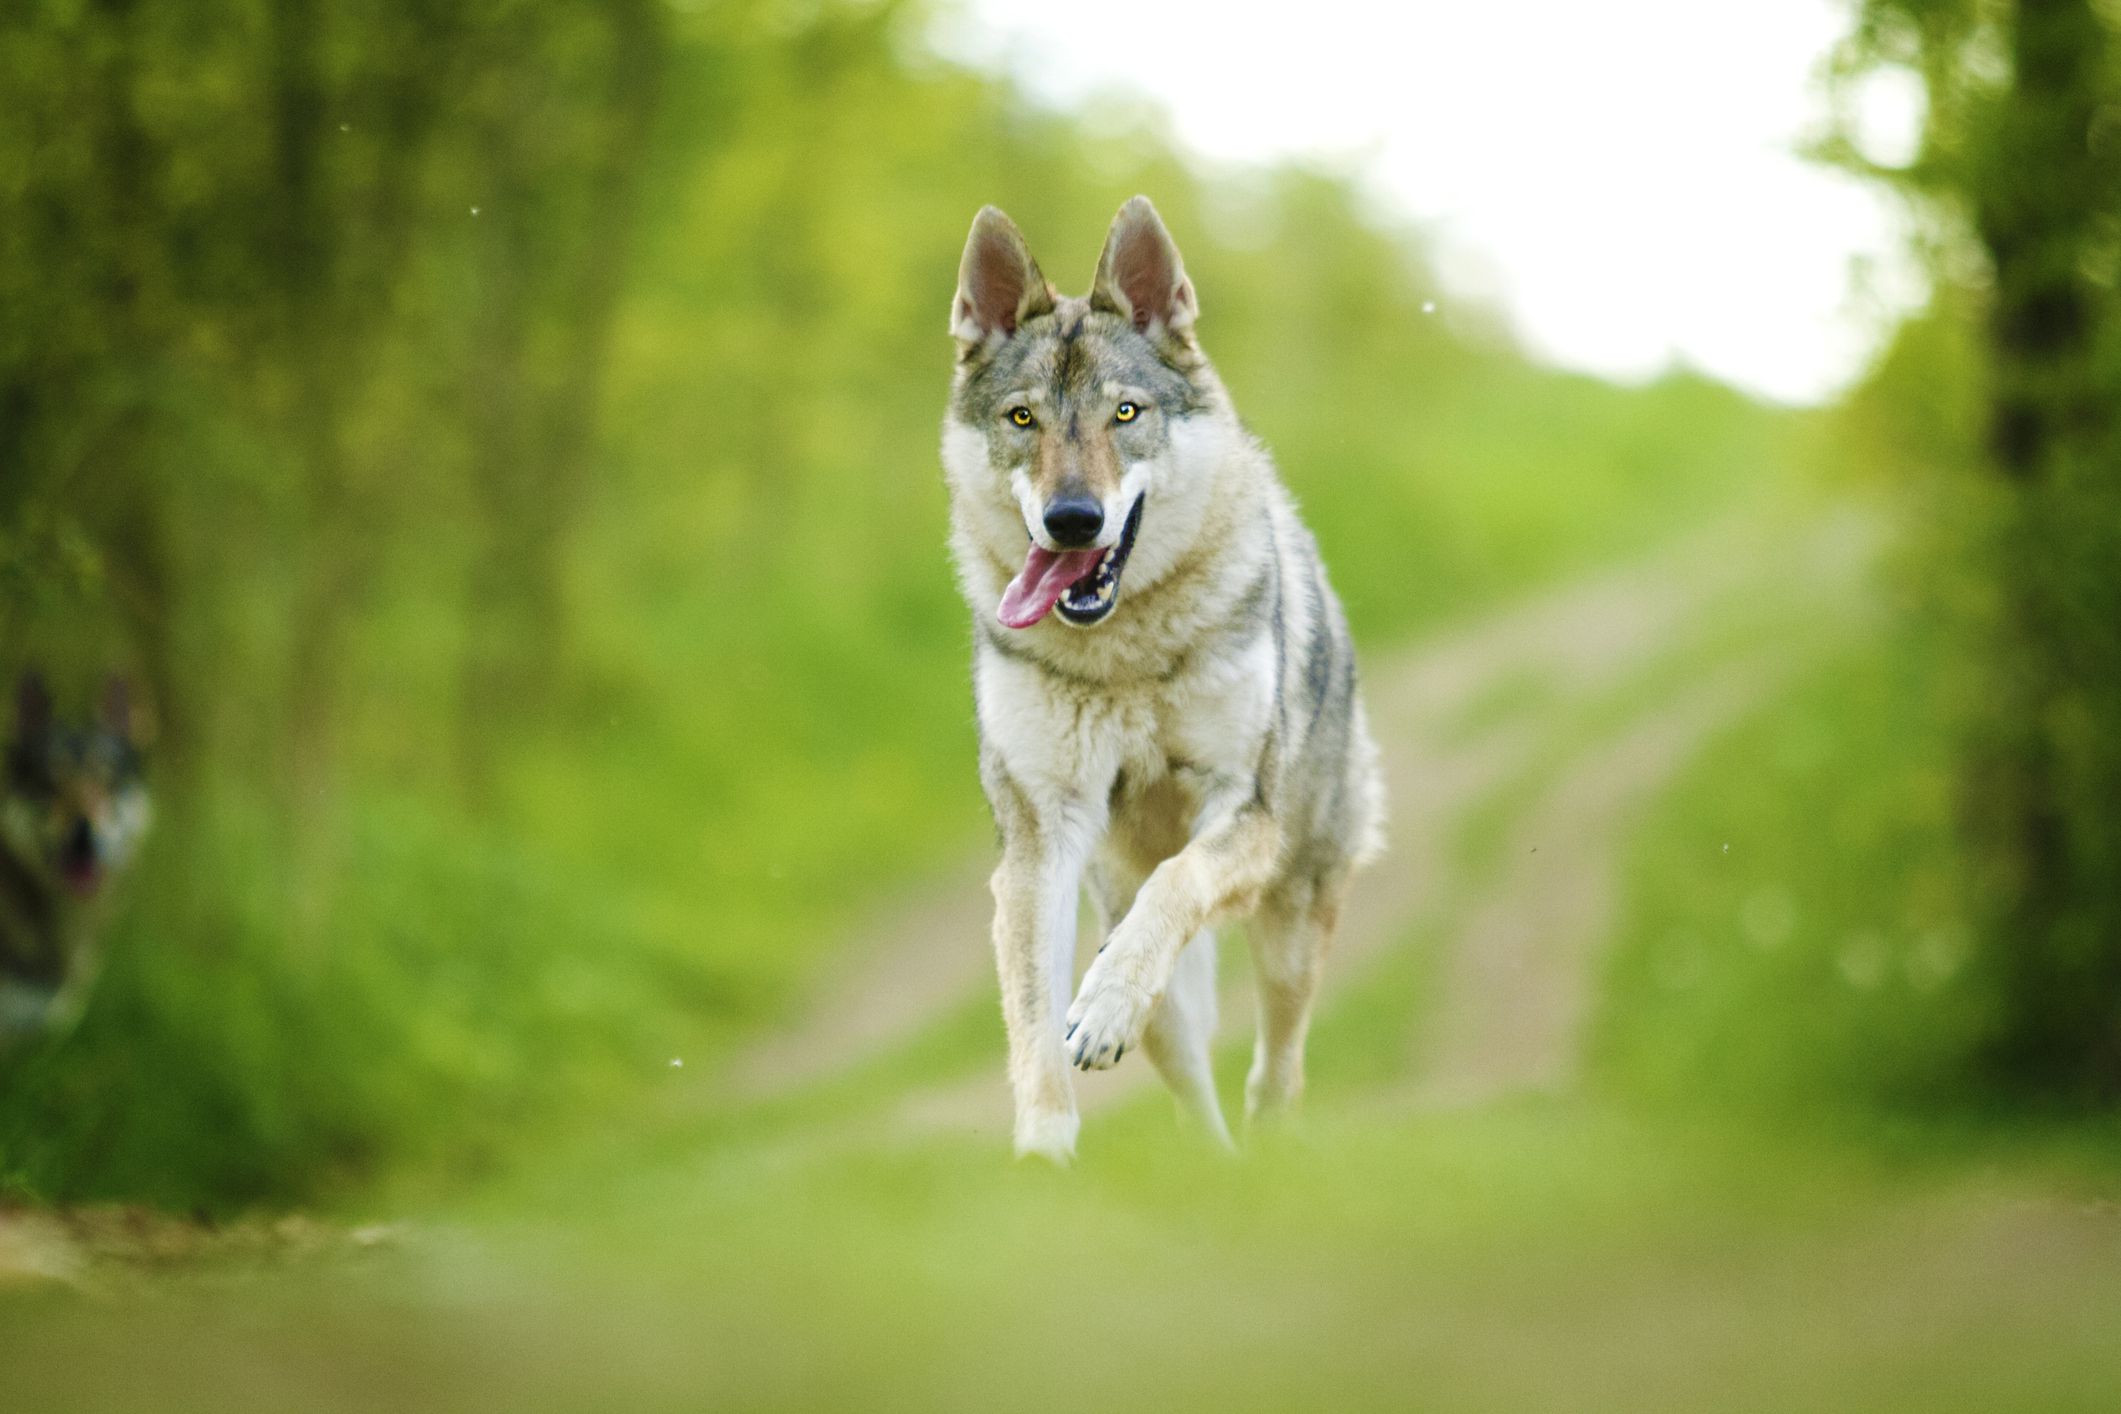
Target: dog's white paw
{"x":1108,"y":1017}
{"x":1048,"y":1135}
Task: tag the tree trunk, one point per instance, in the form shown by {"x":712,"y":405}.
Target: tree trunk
{"x":2046,"y":789}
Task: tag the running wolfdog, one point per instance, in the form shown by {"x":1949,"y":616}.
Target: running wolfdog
{"x":1165,"y":685}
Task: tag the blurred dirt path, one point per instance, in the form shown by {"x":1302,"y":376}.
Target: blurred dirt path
{"x":1566,"y":645}
{"x":1520,"y":976}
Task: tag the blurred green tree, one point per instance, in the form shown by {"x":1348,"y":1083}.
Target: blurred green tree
{"x":2019,"y":178}
{"x":376,"y":244}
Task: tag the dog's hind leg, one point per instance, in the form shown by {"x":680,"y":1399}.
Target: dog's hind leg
{"x":1290,"y":936}
{"x":1180,"y":1032}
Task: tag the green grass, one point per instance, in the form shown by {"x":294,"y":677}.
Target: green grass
{"x":1537,"y":1256}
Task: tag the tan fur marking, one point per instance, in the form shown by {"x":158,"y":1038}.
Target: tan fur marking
{"x":1090,"y":460}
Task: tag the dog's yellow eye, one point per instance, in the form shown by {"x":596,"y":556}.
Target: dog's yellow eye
{"x":1021,"y":417}
{"x":1126,"y":412}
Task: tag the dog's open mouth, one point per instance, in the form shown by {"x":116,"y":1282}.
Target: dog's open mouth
{"x":78,"y":863}
{"x":1082,"y":584}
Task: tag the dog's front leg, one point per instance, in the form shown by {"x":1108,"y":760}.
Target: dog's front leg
{"x":1222,"y":870}
{"x":1037,"y":890}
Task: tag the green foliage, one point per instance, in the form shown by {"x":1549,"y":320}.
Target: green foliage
{"x":2022,"y":224}
{"x":1796,"y":936}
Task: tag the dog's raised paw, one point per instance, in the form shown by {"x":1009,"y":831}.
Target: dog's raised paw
{"x":1107,"y":1019}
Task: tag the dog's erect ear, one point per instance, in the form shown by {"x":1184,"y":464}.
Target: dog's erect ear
{"x":998,"y":283}
{"x":1140,"y":276}
{"x":33,"y":704}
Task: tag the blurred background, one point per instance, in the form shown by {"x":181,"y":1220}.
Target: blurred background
{"x":497,"y":444}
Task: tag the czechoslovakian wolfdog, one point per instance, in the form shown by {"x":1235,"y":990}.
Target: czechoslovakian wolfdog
{"x":1165,"y":685}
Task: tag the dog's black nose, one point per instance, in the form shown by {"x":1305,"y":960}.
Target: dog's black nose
{"x":1073,"y":521}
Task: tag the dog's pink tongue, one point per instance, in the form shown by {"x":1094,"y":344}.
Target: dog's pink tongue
{"x":1046,"y":576}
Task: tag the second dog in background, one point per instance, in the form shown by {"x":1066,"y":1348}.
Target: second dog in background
{"x":73,"y":807}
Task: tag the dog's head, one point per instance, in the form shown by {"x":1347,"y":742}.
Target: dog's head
{"x":1075,"y":423}
{"x":75,"y":803}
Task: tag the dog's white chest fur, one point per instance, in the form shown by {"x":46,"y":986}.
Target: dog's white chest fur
{"x":1075,"y":740}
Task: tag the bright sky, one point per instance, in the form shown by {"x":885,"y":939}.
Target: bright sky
{"x":1620,"y":177}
